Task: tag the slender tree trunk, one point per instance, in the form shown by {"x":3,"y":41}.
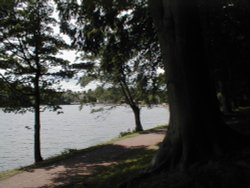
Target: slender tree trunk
{"x":196,"y":130}
{"x":37,"y":144}
{"x":38,"y":44}
{"x":134,"y":106}
{"x":138,"y":125}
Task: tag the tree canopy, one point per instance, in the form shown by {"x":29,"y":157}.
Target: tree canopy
{"x":30,"y":47}
{"x":203,"y":45}
{"x":120,"y":37}
{"x":28,"y":58}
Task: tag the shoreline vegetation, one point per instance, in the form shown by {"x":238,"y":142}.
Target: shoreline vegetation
{"x":143,"y":156}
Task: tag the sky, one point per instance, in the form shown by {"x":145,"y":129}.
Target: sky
{"x":72,"y":84}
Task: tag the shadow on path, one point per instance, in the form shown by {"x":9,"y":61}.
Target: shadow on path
{"x":84,"y":167}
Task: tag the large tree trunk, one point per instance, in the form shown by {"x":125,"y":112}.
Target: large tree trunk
{"x":196,"y":131}
{"x":37,"y":145}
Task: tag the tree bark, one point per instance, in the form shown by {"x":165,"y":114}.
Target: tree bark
{"x":37,"y":144}
{"x":196,"y":131}
{"x":138,"y":125}
{"x":133,"y":105}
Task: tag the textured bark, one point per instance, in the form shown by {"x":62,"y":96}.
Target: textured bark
{"x":133,"y":105}
{"x":138,"y":125}
{"x":196,"y":130}
{"x":37,"y":144}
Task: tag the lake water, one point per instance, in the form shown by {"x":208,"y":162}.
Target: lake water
{"x":73,"y":129}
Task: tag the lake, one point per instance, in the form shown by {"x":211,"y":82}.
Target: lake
{"x":74,"y":129}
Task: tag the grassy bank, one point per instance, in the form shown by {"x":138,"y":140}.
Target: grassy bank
{"x":129,"y":163}
{"x":9,"y":173}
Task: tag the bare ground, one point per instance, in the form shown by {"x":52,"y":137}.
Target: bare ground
{"x":82,"y":165}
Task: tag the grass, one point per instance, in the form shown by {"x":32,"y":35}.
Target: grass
{"x":9,"y":173}
{"x":129,"y":133}
{"x":230,"y":171}
{"x":109,"y":176}
{"x":67,"y":154}
{"x":114,"y":175}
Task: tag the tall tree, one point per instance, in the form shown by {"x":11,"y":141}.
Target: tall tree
{"x":28,"y":54}
{"x":196,"y":129}
{"x":120,"y":36}
{"x":136,"y":85}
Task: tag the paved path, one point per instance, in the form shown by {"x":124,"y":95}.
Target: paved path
{"x":80,"y":165}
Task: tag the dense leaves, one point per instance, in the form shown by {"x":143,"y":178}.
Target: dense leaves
{"x":119,"y":35}
{"x":29,"y":61}
{"x":228,"y":45}
{"x":29,"y":48}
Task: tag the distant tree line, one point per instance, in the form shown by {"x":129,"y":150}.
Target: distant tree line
{"x":101,"y":95}
{"x":113,"y":95}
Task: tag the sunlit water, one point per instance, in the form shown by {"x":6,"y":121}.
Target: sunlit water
{"x":73,"y":129}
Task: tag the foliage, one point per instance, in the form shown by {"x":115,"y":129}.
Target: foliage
{"x":70,"y":97}
{"x":12,"y":98}
{"x":228,"y":45}
{"x":28,"y":57}
{"x":113,"y":95}
{"x":28,"y":54}
{"x":125,"y":133}
{"x":120,"y":37}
